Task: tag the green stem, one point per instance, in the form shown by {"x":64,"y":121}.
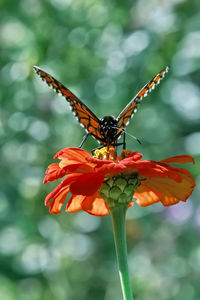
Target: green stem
{"x":119,"y":232}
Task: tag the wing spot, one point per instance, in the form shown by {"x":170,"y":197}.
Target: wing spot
{"x":146,"y":94}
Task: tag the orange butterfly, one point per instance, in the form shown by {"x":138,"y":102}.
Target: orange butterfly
{"x":108,"y":129}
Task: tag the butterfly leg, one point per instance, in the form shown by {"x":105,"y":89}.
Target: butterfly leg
{"x":84,"y":139}
{"x":121,"y":143}
{"x":124,"y":141}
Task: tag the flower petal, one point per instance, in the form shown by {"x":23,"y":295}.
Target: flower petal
{"x":134,"y":156}
{"x":87,"y":184}
{"x":74,"y":203}
{"x":74,"y":160}
{"x":72,"y":167}
{"x":95,"y":205}
{"x":131,"y":203}
{"x":180,"y":159}
{"x":155,"y":169}
{"x":111,"y":168}
{"x":54,"y":172}
{"x":58,"y":194}
{"x":58,"y":200}
{"x":145,"y":195}
{"x":98,"y":162}
{"x":166,"y":190}
{"x":75,"y":154}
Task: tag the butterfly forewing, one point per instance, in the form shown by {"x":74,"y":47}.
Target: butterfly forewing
{"x":128,"y":112}
{"x":85,"y":116}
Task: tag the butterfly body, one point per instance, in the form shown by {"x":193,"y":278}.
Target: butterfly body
{"x":108,"y":129}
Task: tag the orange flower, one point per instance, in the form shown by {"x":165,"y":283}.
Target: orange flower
{"x":116,"y":178}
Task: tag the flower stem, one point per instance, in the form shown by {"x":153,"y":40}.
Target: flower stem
{"x":118,"y":225}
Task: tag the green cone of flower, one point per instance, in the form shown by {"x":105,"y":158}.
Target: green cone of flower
{"x":119,"y":189}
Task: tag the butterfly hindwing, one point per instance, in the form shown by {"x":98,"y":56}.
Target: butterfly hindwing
{"x":85,"y":116}
{"x":128,"y":112}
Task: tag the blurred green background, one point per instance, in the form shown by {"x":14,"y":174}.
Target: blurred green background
{"x":104,"y":51}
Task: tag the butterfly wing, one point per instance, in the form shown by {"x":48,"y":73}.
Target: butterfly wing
{"x":85,"y":116}
{"x":128,"y":112}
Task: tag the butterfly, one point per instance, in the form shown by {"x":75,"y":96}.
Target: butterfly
{"x":108,"y":129}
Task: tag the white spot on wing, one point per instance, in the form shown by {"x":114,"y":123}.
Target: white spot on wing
{"x":158,"y":82}
{"x":145,"y":94}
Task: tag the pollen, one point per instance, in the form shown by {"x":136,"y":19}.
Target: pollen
{"x":109,"y":152}
{"x":105,"y":153}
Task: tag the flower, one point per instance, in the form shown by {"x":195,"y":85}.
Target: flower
{"x":99,"y":182}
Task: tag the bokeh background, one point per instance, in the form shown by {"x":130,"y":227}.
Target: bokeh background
{"x":104,"y":51}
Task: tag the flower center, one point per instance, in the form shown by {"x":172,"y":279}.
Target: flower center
{"x":110,"y":153}
{"x":105,"y":153}
{"x":119,"y":189}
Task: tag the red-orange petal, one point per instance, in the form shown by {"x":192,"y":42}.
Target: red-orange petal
{"x":145,"y":196}
{"x":98,"y":162}
{"x":72,"y":167}
{"x":53,"y":172}
{"x":87,"y":184}
{"x":74,"y":203}
{"x":154,"y":169}
{"x":58,"y":200}
{"x":75,"y":154}
{"x":131,"y":203}
{"x":180,"y":159}
{"x":111,"y":168}
{"x":166,"y":190}
{"x":63,"y":184}
{"x":134,"y":156}
{"x":74,"y":160}
{"x":95,"y":205}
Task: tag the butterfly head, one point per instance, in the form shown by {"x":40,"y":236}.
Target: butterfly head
{"x":108,"y":127}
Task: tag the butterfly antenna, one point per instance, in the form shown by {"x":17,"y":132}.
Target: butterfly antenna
{"x":134,"y":137}
{"x":84,"y":139}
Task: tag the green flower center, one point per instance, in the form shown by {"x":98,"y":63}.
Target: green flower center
{"x":119,"y":189}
